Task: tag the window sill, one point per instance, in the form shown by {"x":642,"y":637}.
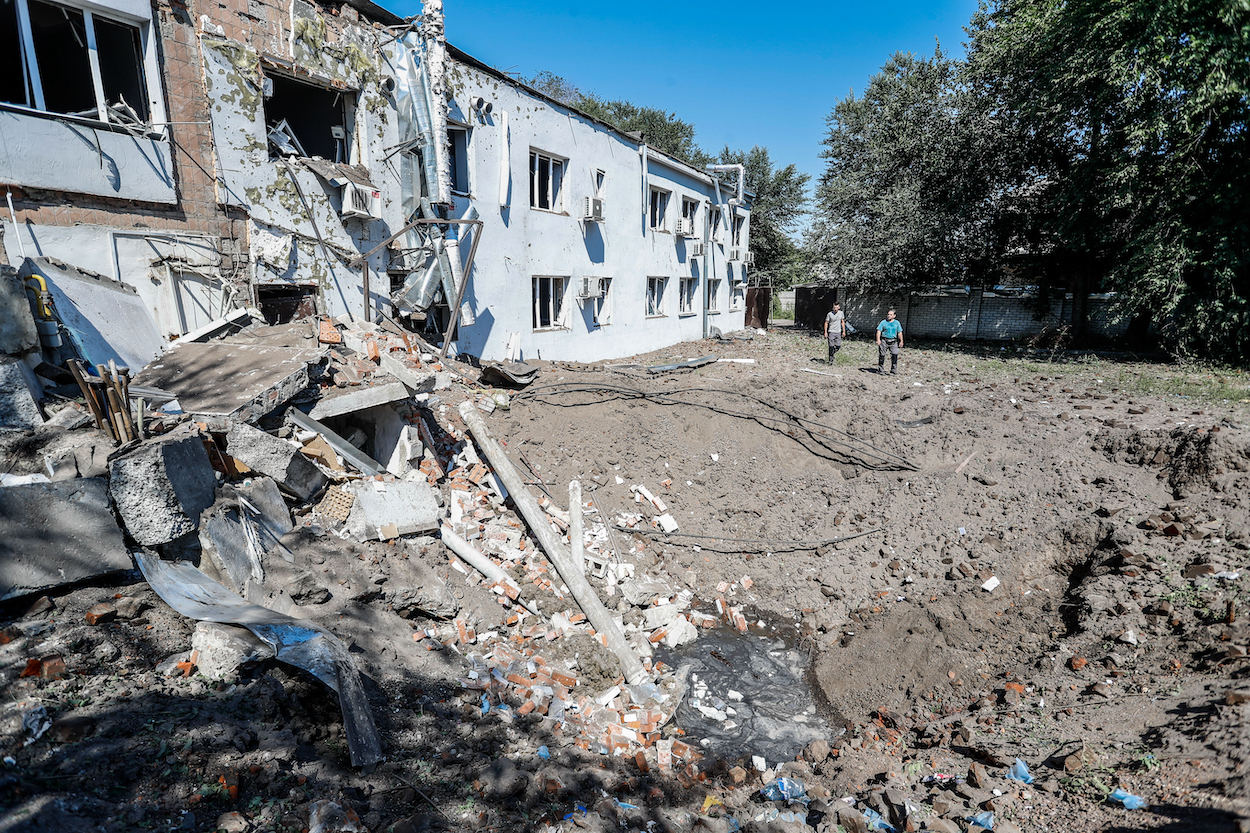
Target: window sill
{"x":551,"y":329}
{"x":661,"y":231}
{"x":549,"y":211}
{"x":686,"y":314}
{"x":649,"y":317}
{"x":713,"y":312}
{"x":142,"y":130}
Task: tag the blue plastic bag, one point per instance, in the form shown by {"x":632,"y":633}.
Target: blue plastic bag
{"x":544,"y":753}
{"x":983,"y":819}
{"x":784,"y":789}
{"x":1130,"y":801}
{"x":875,"y":822}
{"x":1020,"y":772}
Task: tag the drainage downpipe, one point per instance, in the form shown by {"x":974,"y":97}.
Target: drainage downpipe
{"x":646,"y":190}
{"x":458,"y":276}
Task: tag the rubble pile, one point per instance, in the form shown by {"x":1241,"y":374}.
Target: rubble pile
{"x":304,"y":597}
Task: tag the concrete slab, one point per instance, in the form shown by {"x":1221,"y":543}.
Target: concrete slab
{"x":276,"y":458}
{"x":17,"y":325}
{"x":161,"y":488}
{"x":407,"y":369}
{"x":384,"y":510}
{"x":17,"y":405}
{"x":222,"y":382}
{"x":106,"y":319}
{"x":352,"y":400}
{"x":55,"y":534}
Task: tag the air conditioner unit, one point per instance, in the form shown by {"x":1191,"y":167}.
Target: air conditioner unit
{"x":695,"y":248}
{"x":361,"y":201}
{"x":590,"y":288}
{"x":736,"y":253}
{"x":685,"y":227}
{"x":750,"y":259}
{"x":594,"y":210}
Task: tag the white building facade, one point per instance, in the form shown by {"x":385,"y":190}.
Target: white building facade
{"x":666,"y":261}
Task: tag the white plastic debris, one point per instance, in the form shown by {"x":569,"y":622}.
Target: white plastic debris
{"x":990,"y":584}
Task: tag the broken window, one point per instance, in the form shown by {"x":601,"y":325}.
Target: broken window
{"x":600,"y":179}
{"x":685,"y":296}
{"x":549,"y":302}
{"x":284,"y":303}
{"x":713,"y":221}
{"x":13,"y":86}
{"x":305,"y":119}
{"x":737,"y":298}
{"x":659,"y":209}
{"x":546,"y":181}
{"x":603,"y":304}
{"x":75,"y":62}
{"x":739,"y":222}
{"x":655,"y":296}
{"x":689,"y":210}
{"x":713,"y":295}
{"x":458,"y":159}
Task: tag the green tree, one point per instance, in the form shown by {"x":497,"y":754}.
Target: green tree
{"x":1135,"y":116}
{"x":915,"y":179}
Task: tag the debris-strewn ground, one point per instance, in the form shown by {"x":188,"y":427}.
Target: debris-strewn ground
{"x":977,"y":561}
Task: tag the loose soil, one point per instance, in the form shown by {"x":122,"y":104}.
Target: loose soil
{"x":980,"y":562}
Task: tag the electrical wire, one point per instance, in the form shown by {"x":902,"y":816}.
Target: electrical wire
{"x":840,"y":445}
{"x":770,"y":545}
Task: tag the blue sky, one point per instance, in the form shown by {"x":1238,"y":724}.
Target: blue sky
{"x":742,"y":73}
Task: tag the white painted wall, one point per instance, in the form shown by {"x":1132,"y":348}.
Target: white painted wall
{"x":59,"y":155}
{"x":519,"y":242}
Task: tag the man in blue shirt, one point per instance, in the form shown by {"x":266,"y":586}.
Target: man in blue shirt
{"x":889,"y":339}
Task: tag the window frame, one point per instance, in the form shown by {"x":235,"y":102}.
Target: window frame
{"x":601,"y":311}
{"x":464,"y":160}
{"x":149,"y":69}
{"x":662,"y":282}
{"x":737,"y":297}
{"x":739,"y":223}
{"x":660,"y":208}
{"x":556,"y":314}
{"x":686,"y":298}
{"x":555,"y":197}
{"x":713,"y":219}
{"x":713,"y":296}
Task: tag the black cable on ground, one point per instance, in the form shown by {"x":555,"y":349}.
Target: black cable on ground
{"x":842,"y":445}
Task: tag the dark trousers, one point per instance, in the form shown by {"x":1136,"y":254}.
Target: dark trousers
{"x":835,"y":344}
{"x":887,"y":345}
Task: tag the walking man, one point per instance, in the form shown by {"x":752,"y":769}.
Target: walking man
{"x":835,"y":330}
{"x":889,"y":340}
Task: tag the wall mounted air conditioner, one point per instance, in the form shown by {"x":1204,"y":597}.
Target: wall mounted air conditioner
{"x":685,"y":227}
{"x":750,"y":259}
{"x":736,"y":253}
{"x":361,"y":201}
{"x":590,"y":288}
{"x":695,"y":248}
{"x":594,"y":210}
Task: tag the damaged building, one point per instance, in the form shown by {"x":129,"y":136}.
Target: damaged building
{"x":167,"y":166}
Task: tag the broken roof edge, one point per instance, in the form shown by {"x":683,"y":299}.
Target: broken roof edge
{"x":664,"y":157}
{"x":376,"y":13}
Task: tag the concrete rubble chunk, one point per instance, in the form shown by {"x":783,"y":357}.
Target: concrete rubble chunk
{"x":387,"y":510}
{"x":55,"y":534}
{"x":409,"y":371}
{"x":352,"y":400}
{"x":17,"y":404}
{"x":161,"y":488}
{"x":220,"y":650}
{"x":17,"y":326}
{"x":276,"y":458}
{"x":680,"y":632}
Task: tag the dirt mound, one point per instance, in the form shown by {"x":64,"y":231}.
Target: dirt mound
{"x":1190,"y":459}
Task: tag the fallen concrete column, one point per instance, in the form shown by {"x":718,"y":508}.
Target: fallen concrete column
{"x":17,"y":404}
{"x":359,"y":399}
{"x":161,"y":488}
{"x":602,"y":620}
{"x":466,"y":552}
{"x":349,"y":452}
{"x":56,"y":534}
{"x":265,"y":453}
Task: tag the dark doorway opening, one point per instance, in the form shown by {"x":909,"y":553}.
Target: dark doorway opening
{"x":287,"y":302}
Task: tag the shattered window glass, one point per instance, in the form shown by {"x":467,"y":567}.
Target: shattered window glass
{"x":120,"y":50}
{"x":60,"y":37}
{"x":13,"y":88}
{"x":548,"y":303}
{"x":655,"y":295}
{"x":546,"y":181}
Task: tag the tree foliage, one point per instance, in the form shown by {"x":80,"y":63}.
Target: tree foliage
{"x":1103,"y":144}
{"x":910,"y":192}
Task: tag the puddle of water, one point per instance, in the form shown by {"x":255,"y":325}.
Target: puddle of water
{"x":746,"y":695}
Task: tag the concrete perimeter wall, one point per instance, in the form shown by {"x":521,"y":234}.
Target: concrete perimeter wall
{"x":974,"y":315}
